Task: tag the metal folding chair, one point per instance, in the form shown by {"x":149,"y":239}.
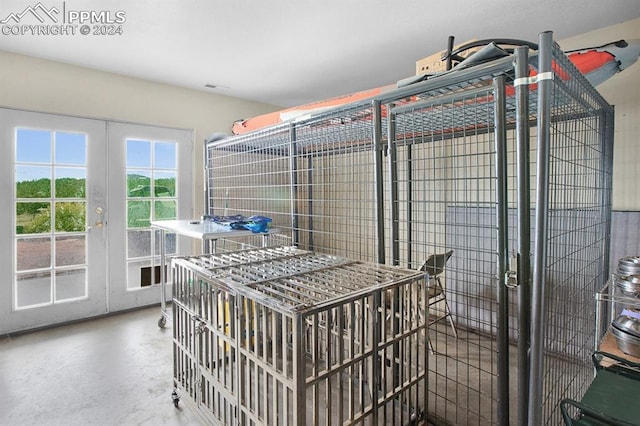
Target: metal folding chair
{"x":434,"y":266}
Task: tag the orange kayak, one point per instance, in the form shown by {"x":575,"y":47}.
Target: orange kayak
{"x":596,"y":64}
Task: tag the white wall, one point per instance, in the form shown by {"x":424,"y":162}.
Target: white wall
{"x":45,"y":86}
{"x":622,"y":91}
{"x":40,"y":85}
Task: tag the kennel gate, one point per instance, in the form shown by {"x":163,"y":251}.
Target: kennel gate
{"x":282,"y":336}
{"x":511,"y":172}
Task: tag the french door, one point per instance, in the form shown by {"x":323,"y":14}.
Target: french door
{"x":77,"y":196}
{"x":53,"y":178}
{"x":153,"y":181}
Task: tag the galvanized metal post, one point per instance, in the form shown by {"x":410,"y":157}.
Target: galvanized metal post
{"x":541,"y":229}
{"x":379,"y":179}
{"x":503,"y":249}
{"x":293,"y":171}
{"x":395,"y":233}
{"x":393,"y":187}
{"x":606,"y":167}
{"x":524,"y":228}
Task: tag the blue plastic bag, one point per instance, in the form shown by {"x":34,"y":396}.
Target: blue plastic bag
{"x":256,"y":224}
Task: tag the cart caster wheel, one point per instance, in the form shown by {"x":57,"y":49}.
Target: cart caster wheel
{"x":175,"y":398}
{"x":162,"y":322}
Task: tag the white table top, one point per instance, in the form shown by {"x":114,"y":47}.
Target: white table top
{"x":204,"y":229}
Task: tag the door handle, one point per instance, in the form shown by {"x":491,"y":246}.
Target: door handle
{"x":98,"y":223}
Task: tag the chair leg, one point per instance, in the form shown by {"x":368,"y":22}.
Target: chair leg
{"x":447,"y":310}
{"x":450,"y":318}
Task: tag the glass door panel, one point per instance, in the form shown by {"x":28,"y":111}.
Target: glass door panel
{"x":56,"y":266}
{"x":154,"y":183}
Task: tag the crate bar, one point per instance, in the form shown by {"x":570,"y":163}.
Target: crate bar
{"x":524,"y":230}
{"x":503,"y":250}
{"x":541,"y":226}
{"x":266,"y":296}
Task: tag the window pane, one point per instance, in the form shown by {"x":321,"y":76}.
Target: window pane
{"x":138,"y":244}
{"x":33,"y":146}
{"x":170,"y":244}
{"x":138,"y":153}
{"x":71,"y":284}
{"x":70,"y":216}
{"x":71,"y":148}
{"x":71,"y":250}
{"x":165,"y":155}
{"x":33,"y":182}
{"x":165,"y":210}
{"x":70,"y":182}
{"x":138,"y":183}
{"x":33,"y":218}
{"x":33,"y":289}
{"x":33,"y":253}
{"x":165,"y":184}
{"x":138,"y":214}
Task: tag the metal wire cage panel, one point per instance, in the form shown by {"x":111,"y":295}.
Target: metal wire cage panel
{"x":314,"y":179}
{"x":579,"y":216}
{"x":450,"y":156}
{"x":286,"y":336}
{"x":250,"y":176}
{"x":443,"y":154}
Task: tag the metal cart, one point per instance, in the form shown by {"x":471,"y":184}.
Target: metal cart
{"x":288,"y":336}
{"x":207,"y":232}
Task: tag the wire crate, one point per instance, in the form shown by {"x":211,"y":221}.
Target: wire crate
{"x":512,"y":175}
{"x":287,"y":336}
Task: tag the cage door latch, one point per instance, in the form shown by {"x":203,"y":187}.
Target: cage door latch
{"x":511,"y":276}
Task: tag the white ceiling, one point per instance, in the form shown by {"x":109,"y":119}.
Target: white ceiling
{"x":289,"y":52}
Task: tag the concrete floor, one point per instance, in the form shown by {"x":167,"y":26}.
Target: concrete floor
{"x":117,"y":370}
{"x":108,"y":371}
